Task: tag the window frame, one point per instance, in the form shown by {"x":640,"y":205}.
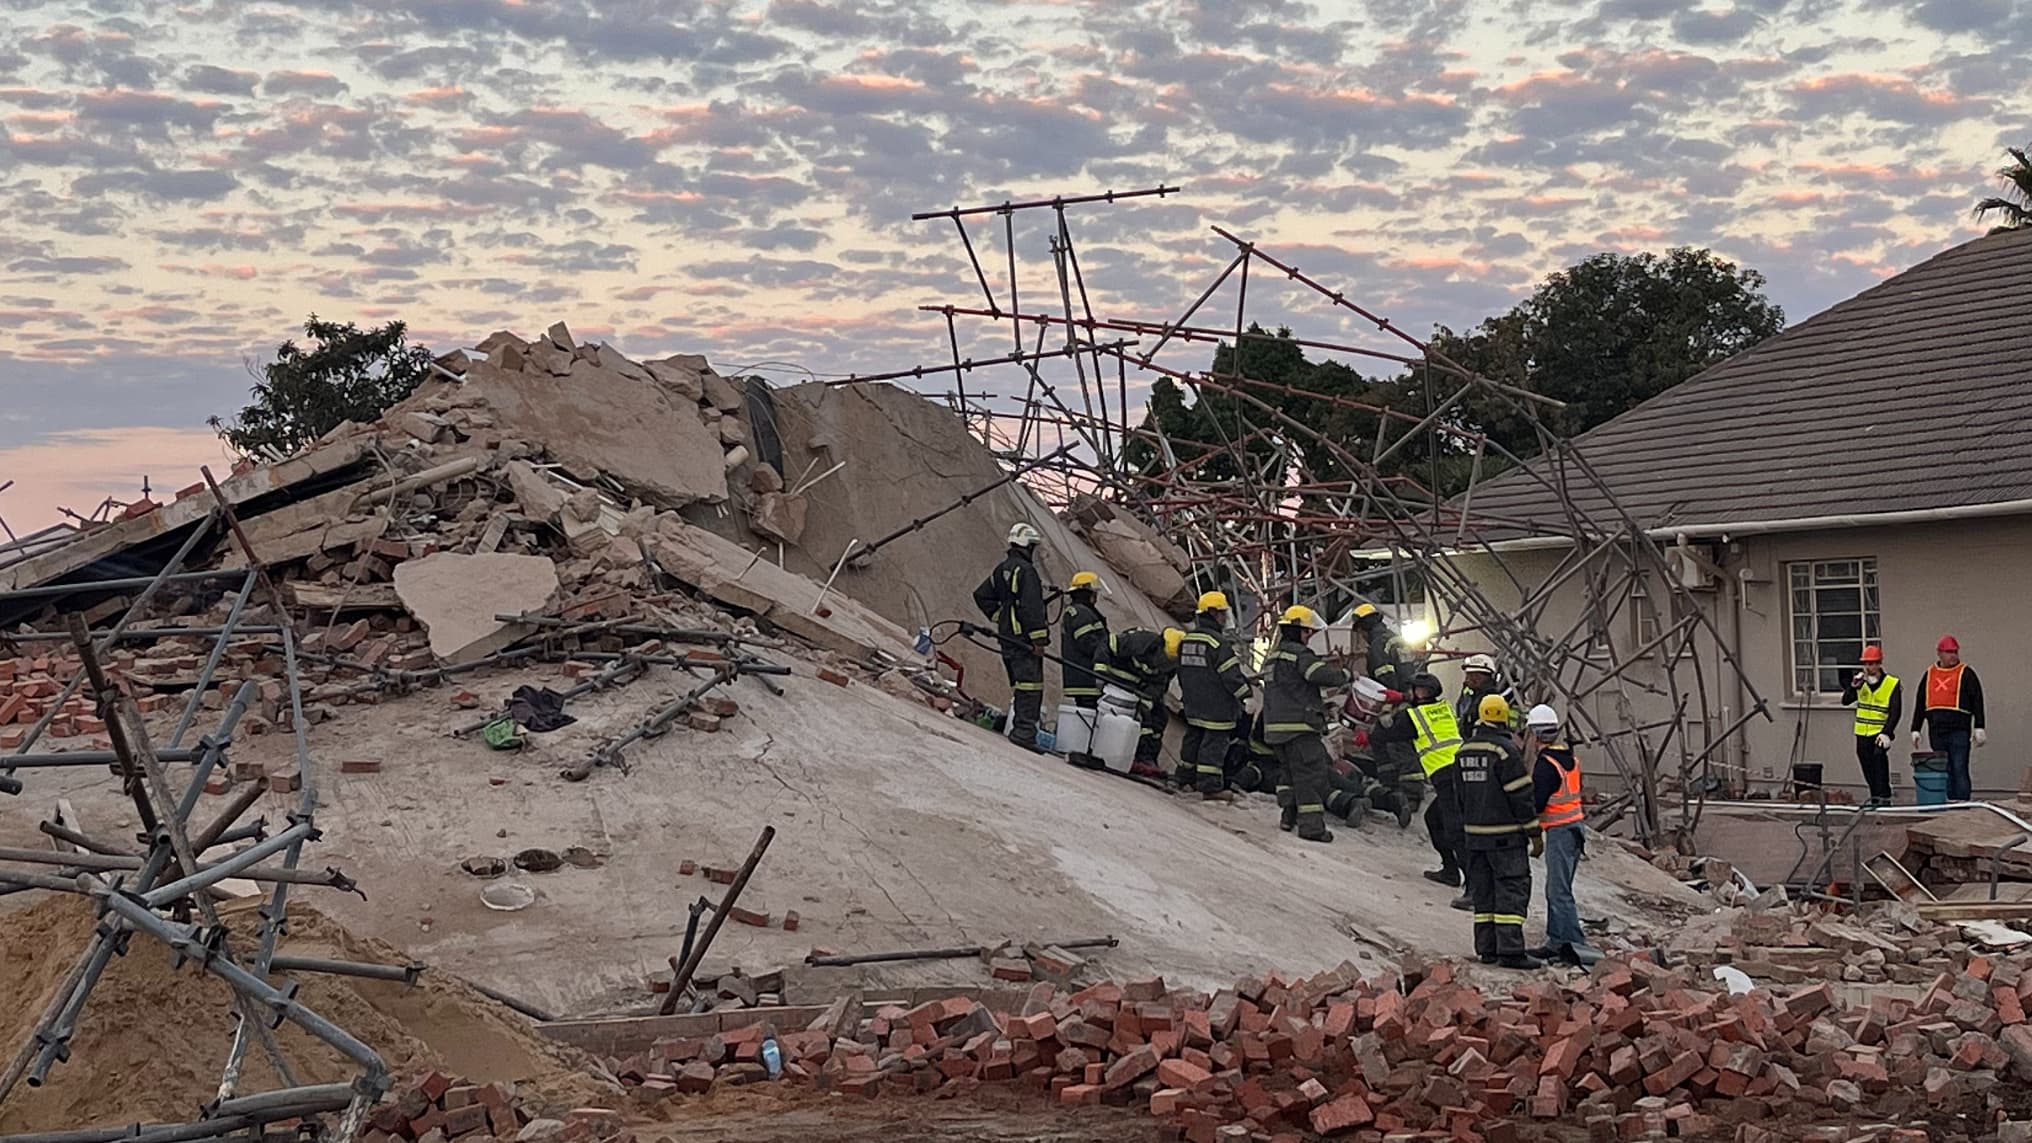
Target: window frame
{"x":1818,"y":578}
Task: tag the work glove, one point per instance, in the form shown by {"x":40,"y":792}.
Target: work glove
{"x":1393,"y":695}
{"x":1538,"y":844}
{"x":1361,"y":740}
{"x":1915,"y":740}
{"x":1883,"y":742}
{"x":1981,"y":736}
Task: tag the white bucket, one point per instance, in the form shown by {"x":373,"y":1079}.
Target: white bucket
{"x":1121,"y":700}
{"x":1075,"y":730}
{"x":1365,"y":700}
{"x":1115,"y":738}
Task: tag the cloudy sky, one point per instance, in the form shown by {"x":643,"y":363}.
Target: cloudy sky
{"x":181,"y":183}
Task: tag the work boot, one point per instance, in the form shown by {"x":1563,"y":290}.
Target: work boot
{"x":1185,"y":777}
{"x":1322,"y":835}
{"x":1222,"y":795}
{"x":1464,"y":903}
{"x":1287,"y":819}
{"x":1403,"y":816}
{"x":1446,"y":875}
{"x":1486,"y":958}
{"x":1523,"y":961}
{"x":1544,"y":952}
{"x":1146,"y":770}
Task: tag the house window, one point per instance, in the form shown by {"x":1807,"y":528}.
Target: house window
{"x":1834,"y":613}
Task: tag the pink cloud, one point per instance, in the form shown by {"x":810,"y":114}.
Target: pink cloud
{"x":81,"y":467}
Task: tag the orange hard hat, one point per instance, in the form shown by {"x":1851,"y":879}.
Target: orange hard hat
{"x":1873,"y":654}
{"x":1948,"y":643}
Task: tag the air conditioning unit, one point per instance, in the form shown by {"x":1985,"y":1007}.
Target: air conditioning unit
{"x":1692,"y":565}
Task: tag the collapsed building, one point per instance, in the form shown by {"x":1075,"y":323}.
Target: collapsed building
{"x":603,"y":685}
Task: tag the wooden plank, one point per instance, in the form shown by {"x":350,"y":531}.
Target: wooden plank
{"x":357,"y":597}
{"x":1976,"y":910}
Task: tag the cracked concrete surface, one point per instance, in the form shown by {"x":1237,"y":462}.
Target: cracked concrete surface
{"x":896,"y":827}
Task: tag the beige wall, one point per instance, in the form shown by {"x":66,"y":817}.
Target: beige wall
{"x":1967,"y":578}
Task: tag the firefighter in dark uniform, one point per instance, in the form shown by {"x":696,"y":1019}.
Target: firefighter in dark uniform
{"x":1480,"y":679}
{"x":1252,"y":762}
{"x":1294,"y":722}
{"x":1500,"y":822}
{"x":1082,"y":638}
{"x":1426,"y":725}
{"x":1142,"y":662}
{"x":1356,"y":789}
{"x":1213,"y":692}
{"x":1395,"y":762}
{"x":1013,"y":598}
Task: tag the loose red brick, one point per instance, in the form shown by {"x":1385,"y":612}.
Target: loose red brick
{"x":1079,"y":1094}
{"x":360,"y":766}
{"x":1131,"y":1067}
{"x":701,"y":721}
{"x":1179,"y":1073}
{"x":834,"y":677}
{"x":687,"y":868}
{"x":1341,"y":1115}
{"x":748,"y":916}
{"x":719,"y":876}
{"x":790,"y":920}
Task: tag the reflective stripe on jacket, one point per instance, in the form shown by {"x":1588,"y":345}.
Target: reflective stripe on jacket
{"x":1438,"y":736}
{"x":1873,"y":706}
{"x":1210,"y":680}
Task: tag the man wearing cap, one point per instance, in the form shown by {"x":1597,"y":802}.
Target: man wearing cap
{"x":1951,"y":710}
{"x":1082,"y":638}
{"x":1212,"y":691}
{"x":1879,"y":702}
{"x":1013,"y":598}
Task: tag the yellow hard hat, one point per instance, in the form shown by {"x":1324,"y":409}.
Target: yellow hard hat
{"x":1365,"y":610}
{"x":1494,"y":709}
{"x":1083,"y":580}
{"x":1174,"y":638}
{"x":1213,"y":601}
{"x":1300,"y":615}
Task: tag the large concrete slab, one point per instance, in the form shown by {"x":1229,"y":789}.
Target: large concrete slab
{"x":732,"y":574}
{"x":456,"y":598}
{"x":631,"y":429}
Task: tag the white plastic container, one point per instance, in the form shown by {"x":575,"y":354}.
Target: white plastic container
{"x":1075,"y":730}
{"x":1115,"y":739}
{"x":1120,"y":700}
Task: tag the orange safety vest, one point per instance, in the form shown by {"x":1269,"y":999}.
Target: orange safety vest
{"x":1943,"y":687}
{"x":1564,"y":808}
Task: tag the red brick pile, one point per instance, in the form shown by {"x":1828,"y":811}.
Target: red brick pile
{"x":438,"y":1108}
{"x":1635,"y":1051}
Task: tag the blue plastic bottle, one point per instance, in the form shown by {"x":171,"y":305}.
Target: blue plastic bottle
{"x":772,"y":1057}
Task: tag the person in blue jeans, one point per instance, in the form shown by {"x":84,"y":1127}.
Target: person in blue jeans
{"x":1951,"y":709}
{"x":1555,"y":788}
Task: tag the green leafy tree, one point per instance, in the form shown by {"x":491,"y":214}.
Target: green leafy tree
{"x":2014,"y":208}
{"x":1608,"y":334}
{"x":344,"y":373}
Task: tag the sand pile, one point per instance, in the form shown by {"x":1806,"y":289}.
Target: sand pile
{"x":152,"y":1039}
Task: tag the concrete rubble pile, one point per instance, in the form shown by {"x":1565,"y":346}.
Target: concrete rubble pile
{"x":1633,"y":1051}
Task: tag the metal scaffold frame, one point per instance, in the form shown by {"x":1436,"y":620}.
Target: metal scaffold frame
{"x":1288,"y":534}
{"x":157,"y":891}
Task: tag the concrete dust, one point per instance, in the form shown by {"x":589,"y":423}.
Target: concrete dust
{"x":897,"y":828}
{"x":152,"y":1042}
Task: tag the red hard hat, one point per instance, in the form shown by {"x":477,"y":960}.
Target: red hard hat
{"x":1873,"y":654}
{"x":1948,"y":643}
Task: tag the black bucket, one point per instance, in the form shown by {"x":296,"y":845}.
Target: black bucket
{"x":1806,"y":775}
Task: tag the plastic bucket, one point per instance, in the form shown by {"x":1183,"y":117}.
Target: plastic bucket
{"x":1365,"y":700}
{"x":1806,"y":775}
{"x":1115,"y":739}
{"x":1929,"y":778}
{"x":1121,"y":700}
{"x":1075,"y":730}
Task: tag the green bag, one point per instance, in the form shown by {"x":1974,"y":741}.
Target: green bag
{"x":503,"y":734}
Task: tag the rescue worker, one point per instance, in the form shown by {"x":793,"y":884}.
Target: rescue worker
{"x":1213,"y":693}
{"x":1879,"y":704}
{"x":1142,"y":661}
{"x":1384,"y":650}
{"x":1951,"y":710}
{"x":1396,"y":762}
{"x":1082,"y":638}
{"x":1480,"y":678}
{"x":1501,"y":826}
{"x":1013,"y":598}
{"x":1357,"y":789}
{"x":1555,"y":790}
{"x":1427,"y":724}
{"x":1294,"y":723}
{"x":1252,"y":762}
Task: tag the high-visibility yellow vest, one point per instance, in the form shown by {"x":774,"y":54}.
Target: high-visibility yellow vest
{"x":1439,"y":736}
{"x":1873,"y":706}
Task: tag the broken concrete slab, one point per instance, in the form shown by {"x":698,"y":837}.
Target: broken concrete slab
{"x":540,"y":499}
{"x":456,"y":597}
{"x":682,"y":374}
{"x":722,"y":394}
{"x":561,"y":337}
{"x":1133,"y":548}
{"x":779,"y":516}
{"x":599,"y":420}
{"x":740,"y":578}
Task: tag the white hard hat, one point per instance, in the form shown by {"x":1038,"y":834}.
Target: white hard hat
{"x":1542,"y":715}
{"x":1484,"y":663}
{"x":1023,"y":535}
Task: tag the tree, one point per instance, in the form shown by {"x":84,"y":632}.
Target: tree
{"x":345,"y":374}
{"x":2015,"y":209}
{"x":1610,"y":333}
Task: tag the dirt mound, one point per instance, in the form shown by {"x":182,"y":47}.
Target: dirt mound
{"x":152,"y":1039}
